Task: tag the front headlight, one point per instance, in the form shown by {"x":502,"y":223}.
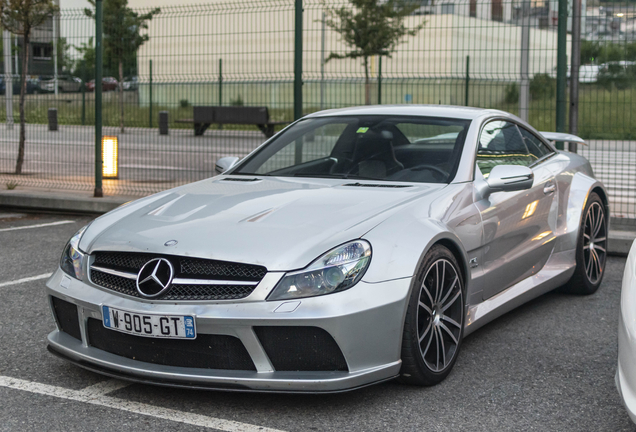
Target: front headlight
{"x":72,"y":262}
{"x":337,"y":270}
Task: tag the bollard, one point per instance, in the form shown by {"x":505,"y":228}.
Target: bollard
{"x":52,"y":119}
{"x":163,"y":122}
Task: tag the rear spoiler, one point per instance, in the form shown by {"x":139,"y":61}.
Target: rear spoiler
{"x":564,"y":137}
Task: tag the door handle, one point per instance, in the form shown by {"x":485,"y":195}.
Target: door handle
{"x":549,"y":188}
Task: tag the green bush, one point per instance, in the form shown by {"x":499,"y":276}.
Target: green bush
{"x":511,"y":93}
{"x":184,"y":103}
{"x":616,"y":75}
{"x":237,"y":102}
{"x":542,"y":86}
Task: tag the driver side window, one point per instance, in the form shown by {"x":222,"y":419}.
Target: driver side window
{"x":500,"y":143}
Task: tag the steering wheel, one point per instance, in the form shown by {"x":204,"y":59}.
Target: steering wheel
{"x":372,"y":157}
{"x":430,"y":168}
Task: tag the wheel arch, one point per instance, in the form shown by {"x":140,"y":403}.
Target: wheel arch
{"x":581,"y":187}
{"x":602,"y":193}
{"x":459,"y":255}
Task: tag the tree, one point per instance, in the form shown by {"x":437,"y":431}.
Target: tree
{"x":122,"y":37}
{"x":371,"y":28}
{"x":85,"y":67}
{"x":21,"y":17}
{"x":64,"y":59}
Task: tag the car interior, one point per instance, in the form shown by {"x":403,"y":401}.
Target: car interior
{"x":388,"y":149}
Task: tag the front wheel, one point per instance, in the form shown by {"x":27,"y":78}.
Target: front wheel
{"x":591,"y":249}
{"x":433,"y":328}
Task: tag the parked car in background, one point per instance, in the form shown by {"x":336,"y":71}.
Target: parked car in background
{"x":588,"y":74}
{"x":626,"y":370}
{"x":65,"y":84}
{"x":356,"y":246}
{"x":108,"y":84}
{"x":33,"y":86}
{"x":131,"y":84}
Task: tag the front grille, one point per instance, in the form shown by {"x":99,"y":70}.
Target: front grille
{"x":209,"y":269}
{"x":122,"y":261}
{"x":176,"y":292}
{"x":185,"y":268}
{"x":205,"y":352}
{"x":301,"y":349}
{"x":207,"y":292}
{"x":116,"y":283}
{"x":66,"y":317}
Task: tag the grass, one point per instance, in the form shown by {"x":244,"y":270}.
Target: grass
{"x":11,"y":185}
{"x":602,"y":114}
{"x":609,"y":115}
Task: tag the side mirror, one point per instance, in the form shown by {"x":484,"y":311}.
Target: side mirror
{"x":508,"y":178}
{"x":225,"y":163}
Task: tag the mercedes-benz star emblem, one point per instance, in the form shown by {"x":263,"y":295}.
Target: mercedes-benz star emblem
{"x":155,"y":277}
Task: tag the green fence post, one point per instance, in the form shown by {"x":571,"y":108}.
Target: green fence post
{"x":220,"y":88}
{"x":83,"y":93}
{"x":220,"y":82}
{"x":150,"y":94}
{"x":561,"y":69}
{"x":380,"y":81}
{"x":98,"y":99}
{"x":575,"y":63}
{"x":298,"y":61}
{"x":467,"y":80}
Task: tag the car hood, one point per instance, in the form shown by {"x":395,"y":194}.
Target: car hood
{"x":280,"y":223}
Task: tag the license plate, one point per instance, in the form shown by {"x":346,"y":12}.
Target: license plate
{"x":149,"y":325}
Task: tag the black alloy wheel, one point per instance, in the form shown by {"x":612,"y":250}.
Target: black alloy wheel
{"x":433,"y":328}
{"x":591,"y":249}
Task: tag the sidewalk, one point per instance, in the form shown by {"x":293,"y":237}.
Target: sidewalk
{"x":59,"y":201}
{"x":621,"y":236}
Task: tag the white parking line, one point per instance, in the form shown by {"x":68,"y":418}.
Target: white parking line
{"x":28,"y":279}
{"x":38,"y":226}
{"x":104,"y":387}
{"x":130,"y":406}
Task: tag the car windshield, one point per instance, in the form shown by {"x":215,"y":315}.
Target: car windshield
{"x":388,"y":148}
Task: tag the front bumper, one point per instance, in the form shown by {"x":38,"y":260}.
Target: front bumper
{"x":365,"y":322}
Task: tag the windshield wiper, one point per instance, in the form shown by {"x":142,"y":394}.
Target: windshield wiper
{"x":340,"y":176}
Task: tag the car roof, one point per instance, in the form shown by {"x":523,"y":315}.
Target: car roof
{"x":442,"y":111}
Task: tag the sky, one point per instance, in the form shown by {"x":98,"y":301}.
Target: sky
{"x":73,"y":4}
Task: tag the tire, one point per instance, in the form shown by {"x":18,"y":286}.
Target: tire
{"x":591,"y":249}
{"x":434,"y":324}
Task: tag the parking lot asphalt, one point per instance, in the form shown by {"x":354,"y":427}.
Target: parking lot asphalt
{"x":548,"y":365}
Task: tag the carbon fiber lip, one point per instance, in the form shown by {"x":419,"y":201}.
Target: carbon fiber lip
{"x":196,"y":386}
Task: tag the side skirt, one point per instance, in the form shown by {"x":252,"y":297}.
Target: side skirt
{"x":556,"y":272}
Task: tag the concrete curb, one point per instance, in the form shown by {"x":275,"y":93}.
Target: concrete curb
{"x":79,"y":202}
{"x":620,"y":240}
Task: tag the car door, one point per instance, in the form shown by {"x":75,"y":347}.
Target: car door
{"x":517,"y":226}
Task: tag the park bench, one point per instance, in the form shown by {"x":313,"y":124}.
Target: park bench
{"x":204,"y":116}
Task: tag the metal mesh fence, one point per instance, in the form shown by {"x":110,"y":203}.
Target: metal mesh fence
{"x":469,"y":52}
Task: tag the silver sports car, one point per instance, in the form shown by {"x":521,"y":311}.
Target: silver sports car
{"x":355,"y":246}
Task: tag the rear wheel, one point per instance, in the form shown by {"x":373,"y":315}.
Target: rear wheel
{"x":591,"y":249}
{"x":433,"y":327}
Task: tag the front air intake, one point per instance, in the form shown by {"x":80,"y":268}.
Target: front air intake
{"x":301,"y":349}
